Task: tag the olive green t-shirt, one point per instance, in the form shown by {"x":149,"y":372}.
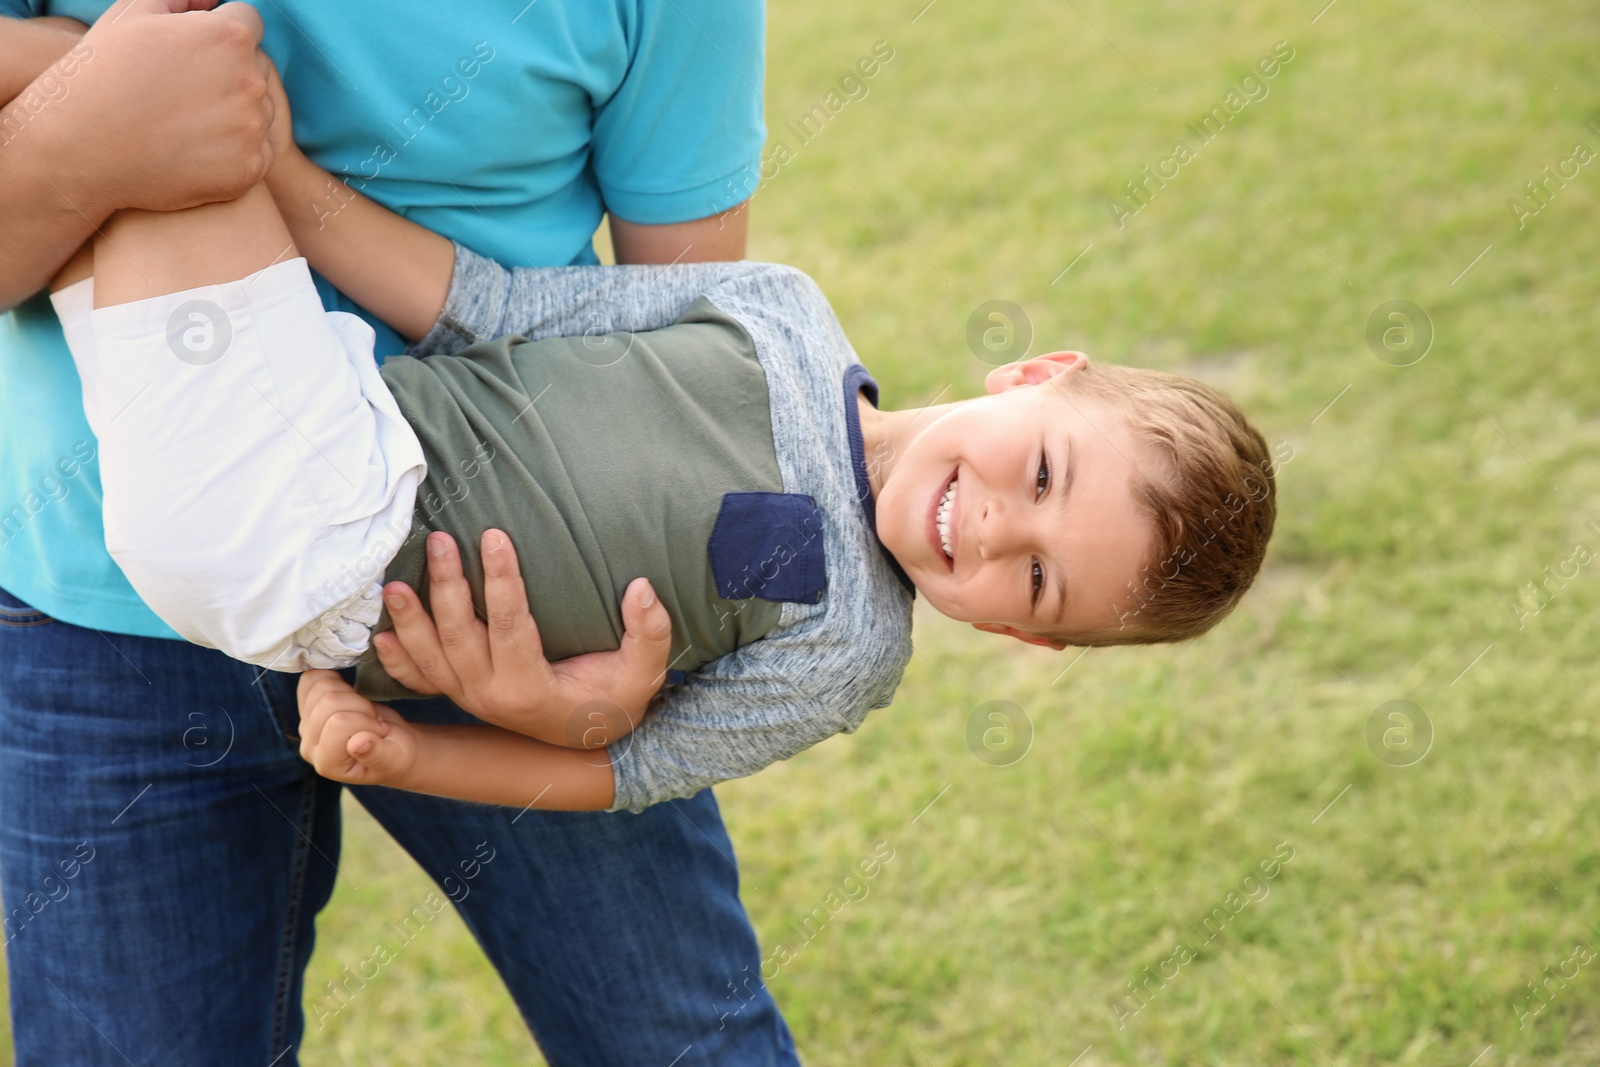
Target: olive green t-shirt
{"x":604,"y":457}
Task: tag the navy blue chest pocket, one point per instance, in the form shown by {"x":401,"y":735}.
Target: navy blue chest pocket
{"x":768,"y":546}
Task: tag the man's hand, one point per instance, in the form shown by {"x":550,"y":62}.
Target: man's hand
{"x":497,"y":671}
{"x":170,"y":110}
{"x":348,"y":738}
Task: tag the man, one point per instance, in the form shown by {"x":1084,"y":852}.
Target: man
{"x":163,"y":850}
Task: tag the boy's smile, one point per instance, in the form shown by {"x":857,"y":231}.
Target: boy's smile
{"x":1013,"y":511}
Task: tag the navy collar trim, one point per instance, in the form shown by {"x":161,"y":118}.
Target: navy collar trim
{"x":857,"y":379}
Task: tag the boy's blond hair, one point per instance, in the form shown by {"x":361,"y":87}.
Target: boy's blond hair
{"x":1205,"y":478}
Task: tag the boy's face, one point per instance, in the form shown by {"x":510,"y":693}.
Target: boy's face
{"x":1029,"y":553}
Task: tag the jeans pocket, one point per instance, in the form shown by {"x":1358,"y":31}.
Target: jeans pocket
{"x":15,"y":613}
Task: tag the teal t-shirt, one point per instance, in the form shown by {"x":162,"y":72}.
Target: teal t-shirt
{"x":508,"y":130}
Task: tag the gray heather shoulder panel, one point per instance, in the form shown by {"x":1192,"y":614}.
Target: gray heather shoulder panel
{"x":825,"y":665}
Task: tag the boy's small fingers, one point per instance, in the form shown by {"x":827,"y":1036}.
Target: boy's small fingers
{"x":314,"y":724}
{"x":315,"y":683}
{"x":318,"y":692}
{"x":375,"y":754}
{"x":328,"y":751}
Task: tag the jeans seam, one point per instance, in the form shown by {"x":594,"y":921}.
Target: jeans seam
{"x":287,"y":955}
{"x":21,"y":621}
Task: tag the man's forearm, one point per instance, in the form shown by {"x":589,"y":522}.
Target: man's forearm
{"x":716,"y":238}
{"x":495,"y":766}
{"x":40,"y":226}
{"x":29,"y":46}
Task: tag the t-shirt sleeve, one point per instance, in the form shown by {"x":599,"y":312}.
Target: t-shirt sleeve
{"x":681,"y":137}
{"x":764,"y":702}
{"x":488,"y":300}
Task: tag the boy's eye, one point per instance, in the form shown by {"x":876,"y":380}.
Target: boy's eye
{"x":1038,"y":581}
{"x":1042,"y":481}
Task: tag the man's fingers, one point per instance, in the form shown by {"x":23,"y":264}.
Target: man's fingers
{"x":244,"y":14}
{"x":399,"y":665}
{"x":513,"y":635}
{"x":462,"y":636}
{"x":647,"y":638}
{"x":419,"y":642}
{"x":153,"y":7}
{"x":250,"y":18}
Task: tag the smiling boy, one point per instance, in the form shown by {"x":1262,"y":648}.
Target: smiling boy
{"x":1015,"y":512}
{"x":1111,"y":505}
{"x":706,"y":427}
{"x":1076,"y":503}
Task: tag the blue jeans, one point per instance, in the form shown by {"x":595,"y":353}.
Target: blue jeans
{"x":164,"y":852}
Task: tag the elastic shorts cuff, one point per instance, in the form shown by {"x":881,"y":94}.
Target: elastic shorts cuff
{"x":282,"y":283}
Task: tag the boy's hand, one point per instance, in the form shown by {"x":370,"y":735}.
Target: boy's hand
{"x":348,"y":738}
{"x":280,"y":135}
{"x":498,"y":671}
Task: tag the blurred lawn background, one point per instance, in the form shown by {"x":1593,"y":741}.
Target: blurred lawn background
{"x":1420,"y":900}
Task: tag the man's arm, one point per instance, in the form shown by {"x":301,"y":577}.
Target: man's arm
{"x":162,"y":111}
{"x":28,"y":48}
{"x":677,"y":148}
{"x":718,"y":237}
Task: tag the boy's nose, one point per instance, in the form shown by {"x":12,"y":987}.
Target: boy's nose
{"x":991,"y":530}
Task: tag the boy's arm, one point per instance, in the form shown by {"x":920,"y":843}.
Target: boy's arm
{"x":818,"y":674}
{"x":389,"y":265}
{"x":487,"y":300}
{"x":347,"y":738}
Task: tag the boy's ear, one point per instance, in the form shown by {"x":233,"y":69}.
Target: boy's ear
{"x":1020,"y":635}
{"x":1033,"y":371}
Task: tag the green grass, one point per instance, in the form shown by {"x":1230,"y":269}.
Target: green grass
{"x":1024,"y":900}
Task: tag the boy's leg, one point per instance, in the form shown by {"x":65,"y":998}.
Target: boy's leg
{"x":250,"y":453}
{"x":141,"y":254}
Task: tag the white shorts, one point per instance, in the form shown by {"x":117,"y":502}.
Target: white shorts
{"x":258,"y":476}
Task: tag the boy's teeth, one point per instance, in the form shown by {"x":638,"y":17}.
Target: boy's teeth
{"x":941,"y":519}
